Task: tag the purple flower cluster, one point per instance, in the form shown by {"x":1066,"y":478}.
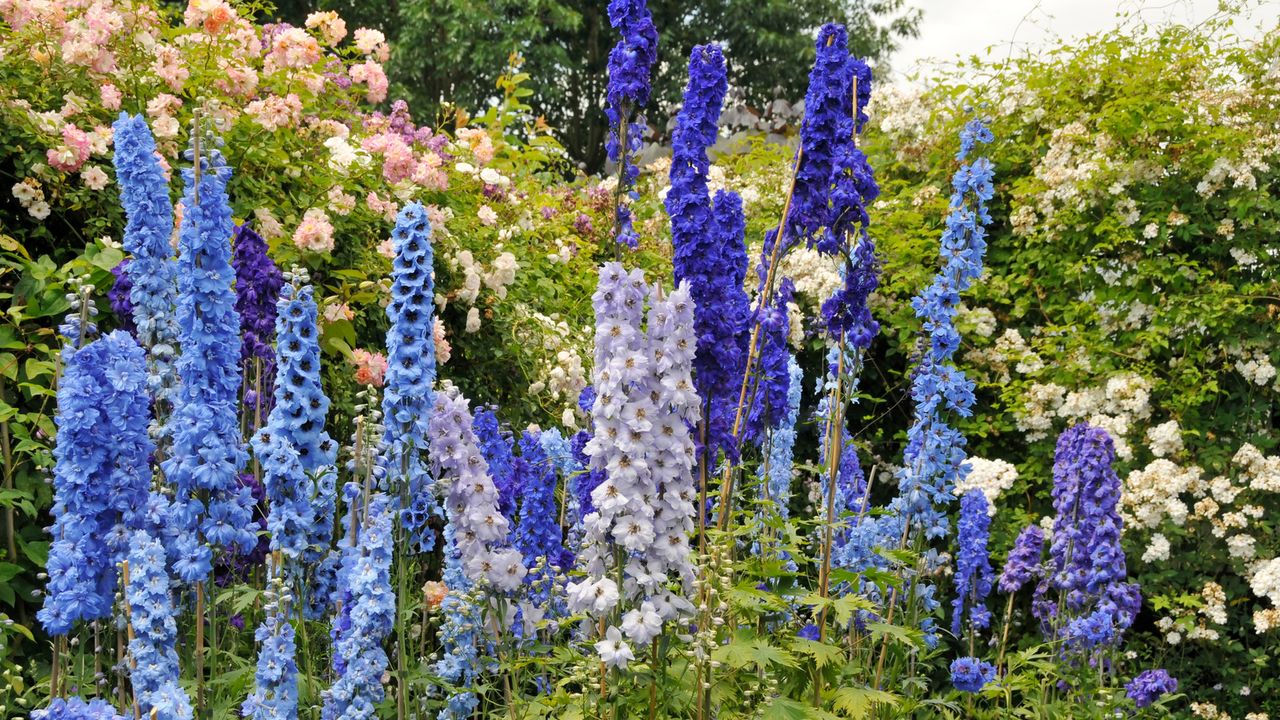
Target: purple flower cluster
{"x":708,"y":251}
{"x":118,"y":297}
{"x":471,"y":500}
{"x":973,"y":576}
{"x":1149,"y":686}
{"x":1087,"y":562}
{"x":1023,"y":563}
{"x":258,"y":284}
{"x":207,"y":452}
{"x":101,"y":476}
{"x":969,"y":674}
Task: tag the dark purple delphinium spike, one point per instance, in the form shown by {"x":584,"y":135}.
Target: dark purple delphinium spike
{"x":827,"y":104}
{"x":118,"y":296}
{"x":1087,"y":563}
{"x":630,"y":63}
{"x":1023,"y":562}
{"x":258,"y":284}
{"x":709,"y":252}
{"x":1149,"y":686}
{"x":233,"y":567}
{"x":589,"y":480}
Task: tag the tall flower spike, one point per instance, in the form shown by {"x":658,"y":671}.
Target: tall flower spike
{"x":101,"y":476}
{"x":298,"y":414}
{"x":275,"y":694}
{"x":144,"y":192}
{"x":154,"y":659}
{"x":471,"y":500}
{"x":973,"y":565}
{"x":827,"y":103}
{"x":75,"y":708}
{"x":1087,"y":562}
{"x":367,"y":616}
{"x":207,"y":451}
{"x":708,"y":250}
{"x":461,"y":627}
{"x":630,"y":63}
{"x":538,"y":536}
{"x":258,"y":285}
{"x":935,"y":451}
{"x":408,"y":398}
{"x":771,"y":386}
{"x":781,"y":460}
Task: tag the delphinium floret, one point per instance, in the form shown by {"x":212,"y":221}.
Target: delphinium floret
{"x":495,"y":444}
{"x":101,"y":476}
{"x":408,"y":397}
{"x":969,"y":674}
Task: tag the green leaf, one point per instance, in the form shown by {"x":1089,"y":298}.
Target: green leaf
{"x":822,"y":653}
{"x":907,"y":636}
{"x":857,"y":702}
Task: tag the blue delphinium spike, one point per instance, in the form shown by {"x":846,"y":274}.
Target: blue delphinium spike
{"x":144,"y":193}
{"x":408,"y":397}
{"x":368,"y":609}
{"x":207,"y":452}
{"x":630,"y":63}
{"x":974,"y":576}
{"x":101,"y":476}
{"x":154,"y":658}
{"x":275,"y":693}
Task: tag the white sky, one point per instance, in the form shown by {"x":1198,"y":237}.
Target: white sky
{"x":964,"y":28}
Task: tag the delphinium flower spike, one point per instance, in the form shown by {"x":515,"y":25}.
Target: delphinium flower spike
{"x":207,"y":452}
{"x":708,"y":251}
{"x":275,"y":694}
{"x":538,"y":535}
{"x":973,"y":576}
{"x":935,"y":450}
{"x":367,"y":614}
{"x":630,"y":63}
{"x":461,"y":632}
{"x":471,"y":500}
{"x":780,"y":466}
{"x":408,"y":398}
{"x":1087,"y":562}
{"x":1023,"y":563}
{"x":101,"y":476}
{"x":771,"y":387}
{"x":153,"y":293}
{"x":970,"y":674}
{"x":297,"y":455}
{"x":258,"y":285}
{"x":154,"y":659}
